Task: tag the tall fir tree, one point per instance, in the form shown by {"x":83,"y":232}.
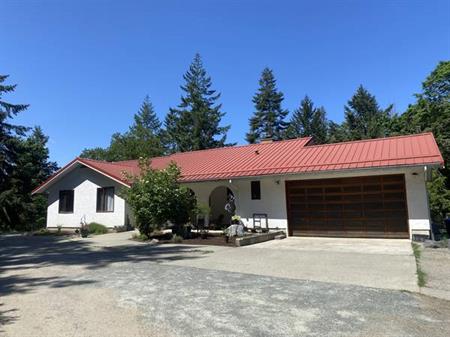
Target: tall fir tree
{"x":195,"y":123}
{"x":33,"y":167}
{"x":21,"y":210}
{"x":337,"y":132}
{"x":143,"y":139}
{"x":364,"y":118}
{"x":310,"y":121}
{"x":268,"y":119}
{"x":8,"y":132}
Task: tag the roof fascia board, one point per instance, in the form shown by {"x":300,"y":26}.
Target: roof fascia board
{"x":42,"y":188}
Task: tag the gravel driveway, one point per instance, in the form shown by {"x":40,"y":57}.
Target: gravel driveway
{"x":55,"y":287}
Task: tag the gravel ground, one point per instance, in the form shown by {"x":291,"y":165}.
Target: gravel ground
{"x":55,"y":287}
{"x":199,"y":302}
{"x":435,"y":263}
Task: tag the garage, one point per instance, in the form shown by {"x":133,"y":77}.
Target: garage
{"x":370,"y":207}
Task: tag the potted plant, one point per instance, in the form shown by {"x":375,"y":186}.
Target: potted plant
{"x":235,"y":220}
{"x":84,"y":230}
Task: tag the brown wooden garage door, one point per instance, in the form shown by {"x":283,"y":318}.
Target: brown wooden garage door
{"x":372,"y":206}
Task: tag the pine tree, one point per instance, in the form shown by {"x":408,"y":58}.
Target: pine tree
{"x":143,"y":139}
{"x":8,"y":131}
{"x":96,"y":153}
{"x":308,"y":121}
{"x":268,"y":119}
{"x":337,"y":132}
{"x":21,"y":210}
{"x":364,"y":118}
{"x":195,"y":123}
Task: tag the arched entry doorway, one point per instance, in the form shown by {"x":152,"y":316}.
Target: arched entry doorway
{"x":218,"y":199}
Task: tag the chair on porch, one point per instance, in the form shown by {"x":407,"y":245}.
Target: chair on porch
{"x":258,"y":220}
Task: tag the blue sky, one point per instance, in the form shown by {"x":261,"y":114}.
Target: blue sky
{"x":85,"y":66}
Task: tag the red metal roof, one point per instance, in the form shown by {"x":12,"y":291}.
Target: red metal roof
{"x":282,"y":157}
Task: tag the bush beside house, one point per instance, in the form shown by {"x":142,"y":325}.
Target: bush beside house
{"x":158,"y":200}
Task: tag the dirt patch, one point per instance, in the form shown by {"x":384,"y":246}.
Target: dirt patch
{"x":71,"y":312}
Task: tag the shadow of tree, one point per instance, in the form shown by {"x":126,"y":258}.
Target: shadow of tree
{"x":6,"y":317}
{"x":20,"y":253}
{"x":22,"y":284}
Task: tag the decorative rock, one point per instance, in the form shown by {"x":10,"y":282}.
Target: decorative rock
{"x":153,"y":242}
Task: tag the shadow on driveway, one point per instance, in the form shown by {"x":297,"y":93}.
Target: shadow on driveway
{"x":20,"y":253}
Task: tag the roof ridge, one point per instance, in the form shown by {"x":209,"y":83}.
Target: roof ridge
{"x":307,"y":139}
{"x":373,"y":139}
{"x":240,"y":146}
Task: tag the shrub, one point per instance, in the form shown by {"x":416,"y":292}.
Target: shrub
{"x":157,"y":198}
{"x":177,"y":239}
{"x":139,"y":237}
{"x":96,"y":228}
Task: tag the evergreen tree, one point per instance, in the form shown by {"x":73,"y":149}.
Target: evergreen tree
{"x":431,"y":112}
{"x":195,"y":123}
{"x":143,"y":139}
{"x":364,"y":118}
{"x":337,"y":132}
{"x":21,"y":210}
{"x":308,"y":121}
{"x":268,"y":119}
{"x":8,"y":132}
{"x":96,"y":153}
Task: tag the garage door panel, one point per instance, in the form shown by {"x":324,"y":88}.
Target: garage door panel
{"x":372,"y":206}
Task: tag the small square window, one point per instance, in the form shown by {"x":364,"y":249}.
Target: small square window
{"x":105,"y":199}
{"x":66,"y":201}
{"x":256,"y":190}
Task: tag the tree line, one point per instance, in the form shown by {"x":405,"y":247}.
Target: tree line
{"x":196,"y":123}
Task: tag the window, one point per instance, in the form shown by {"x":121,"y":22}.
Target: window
{"x":66,"y":201}
{"x":105,"y":199}
{"x":256,"y":190}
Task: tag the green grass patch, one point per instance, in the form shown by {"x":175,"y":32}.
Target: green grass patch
{"x":96,"y":228}
{"x":421,"y":275}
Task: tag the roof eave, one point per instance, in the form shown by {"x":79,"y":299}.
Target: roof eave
{"x":432,"y":165}
{"x":44,"y":186}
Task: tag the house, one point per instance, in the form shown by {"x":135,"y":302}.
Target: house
{"x":370,"y":188}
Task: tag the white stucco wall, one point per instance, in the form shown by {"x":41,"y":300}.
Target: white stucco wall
{"x":273,"y":197}
{"x":84,"y":182}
